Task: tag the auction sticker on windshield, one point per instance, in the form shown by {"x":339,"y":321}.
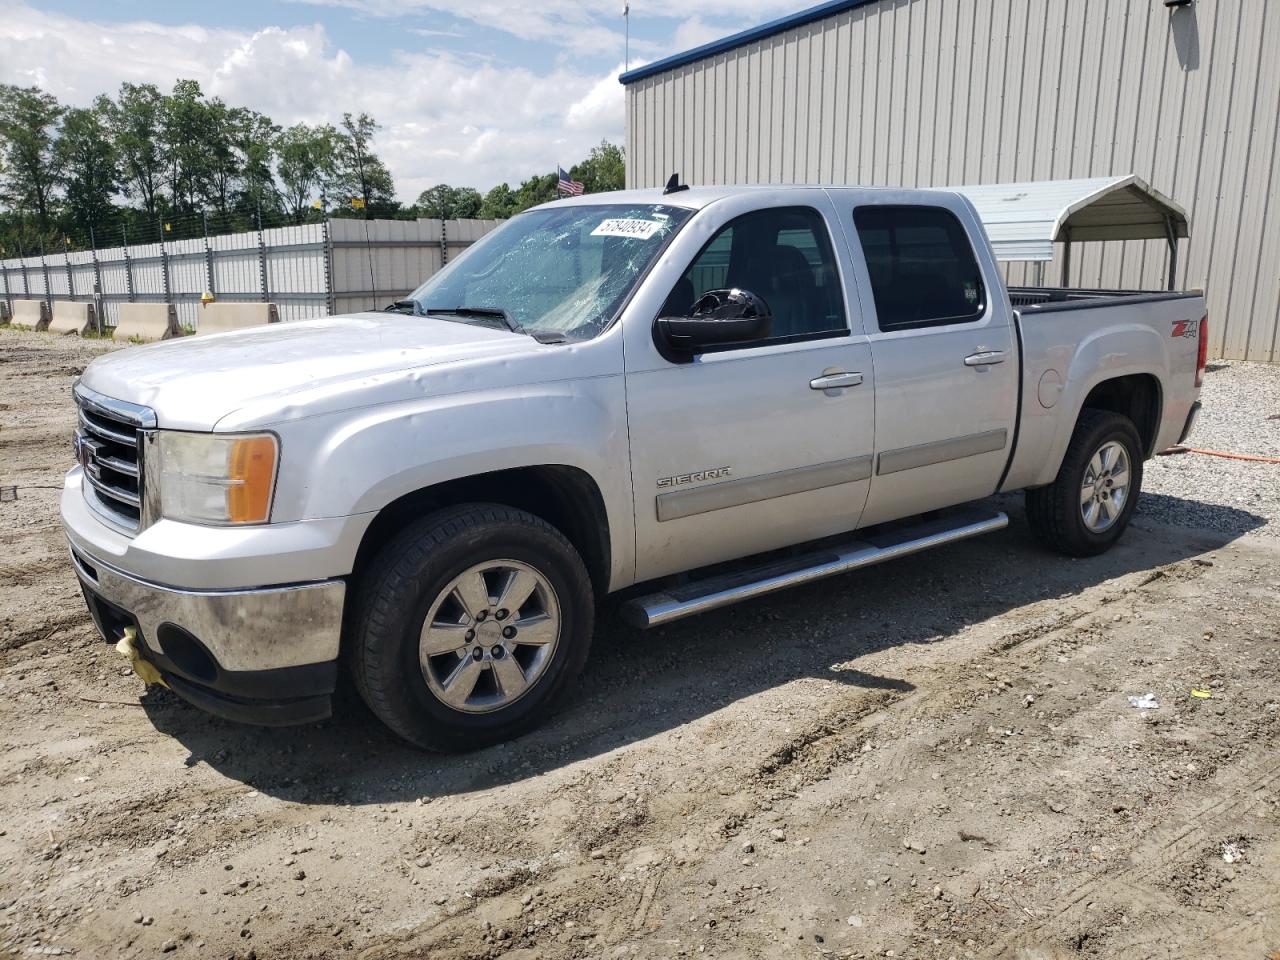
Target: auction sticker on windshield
{"x":640,"y":229}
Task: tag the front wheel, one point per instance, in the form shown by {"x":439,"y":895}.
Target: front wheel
{"x":1088,"y":506}
{"x":470,"y":627}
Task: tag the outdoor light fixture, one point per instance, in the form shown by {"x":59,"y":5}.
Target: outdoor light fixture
{"x":1178,"y":3}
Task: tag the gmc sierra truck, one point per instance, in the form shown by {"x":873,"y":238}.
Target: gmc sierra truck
{"x":698,"y":396}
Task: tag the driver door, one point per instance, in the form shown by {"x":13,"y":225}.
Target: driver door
{"x":746,"y":448}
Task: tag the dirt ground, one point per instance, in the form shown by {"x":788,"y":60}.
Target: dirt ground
{"x":933,"y":758}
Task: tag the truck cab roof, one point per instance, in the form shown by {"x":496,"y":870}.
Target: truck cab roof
{"x":695,"y":198}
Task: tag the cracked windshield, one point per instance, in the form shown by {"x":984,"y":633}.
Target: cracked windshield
{"x":557,"y":275}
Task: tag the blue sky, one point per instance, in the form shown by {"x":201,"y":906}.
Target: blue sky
{"x":366,"y":30}
{"x":470,"y":93}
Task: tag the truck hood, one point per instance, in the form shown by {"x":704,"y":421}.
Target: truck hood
{"x":283,"y":369}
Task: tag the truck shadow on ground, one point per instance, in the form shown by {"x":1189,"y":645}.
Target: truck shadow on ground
{"x":639,"y":684}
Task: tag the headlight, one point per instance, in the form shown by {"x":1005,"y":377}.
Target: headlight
{"x":207,"y":478}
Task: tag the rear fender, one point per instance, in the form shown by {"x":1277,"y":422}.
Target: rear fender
{"x":1104,"y":355}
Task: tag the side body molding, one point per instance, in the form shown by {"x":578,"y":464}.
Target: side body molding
{"x":735,"y":493}
{"x":940,"y":451}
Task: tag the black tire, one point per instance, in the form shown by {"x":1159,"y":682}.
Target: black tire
{"x":396,"y":593}
{"x":1054,"y":512}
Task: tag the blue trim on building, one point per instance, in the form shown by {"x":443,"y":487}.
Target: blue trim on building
{"x":790,"y":22}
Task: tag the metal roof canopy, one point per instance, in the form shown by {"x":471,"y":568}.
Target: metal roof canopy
{"x":1024,"y":220}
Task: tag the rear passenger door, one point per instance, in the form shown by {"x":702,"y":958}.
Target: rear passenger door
{"x":945,"y":353}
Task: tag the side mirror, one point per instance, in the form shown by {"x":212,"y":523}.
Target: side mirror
{"x":719,"y":317}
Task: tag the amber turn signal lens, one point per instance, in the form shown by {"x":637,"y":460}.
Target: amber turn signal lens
{"x":252,"y":472}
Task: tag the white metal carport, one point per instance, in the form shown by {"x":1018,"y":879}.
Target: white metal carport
{"x":1024,"y":220}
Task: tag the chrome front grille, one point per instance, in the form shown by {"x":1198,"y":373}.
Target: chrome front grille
{"x":109,"y":446}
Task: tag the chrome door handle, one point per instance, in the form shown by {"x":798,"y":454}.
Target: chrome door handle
{"x":834,"y":381}
{"x":984,"y":358}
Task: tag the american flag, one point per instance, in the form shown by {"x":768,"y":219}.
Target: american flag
{"x":567,"y":187}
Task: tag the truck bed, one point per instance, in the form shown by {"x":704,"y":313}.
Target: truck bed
{"x":1069,"y":298}
{"x":1111,"y":334}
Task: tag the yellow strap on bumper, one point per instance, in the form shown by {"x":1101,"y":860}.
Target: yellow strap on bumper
{"x":145,"y":670}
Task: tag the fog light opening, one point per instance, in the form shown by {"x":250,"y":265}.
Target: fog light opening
{"x":187,"y":653}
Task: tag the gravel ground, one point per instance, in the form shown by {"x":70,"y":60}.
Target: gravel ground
{"x":1241,"y":414}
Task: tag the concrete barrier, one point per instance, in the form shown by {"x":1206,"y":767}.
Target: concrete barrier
{"x":69,"y":317}
{"x":146,"y":321}
{"x":222,"y":317}
{"x":30,"y":313}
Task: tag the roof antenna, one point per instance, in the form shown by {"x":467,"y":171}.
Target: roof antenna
{"x":674,"y":185}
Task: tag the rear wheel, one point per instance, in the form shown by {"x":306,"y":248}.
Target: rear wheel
{"x":1088,"y":506}
{"x":471,"y":625}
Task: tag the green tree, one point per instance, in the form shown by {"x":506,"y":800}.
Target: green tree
{"x":133,"y":120}
{"x":220,"y":164}
{"x":499,"y":203}
{"x":253,"y":136}
{"x":534,"y":191}
{"x":28,"y":126}
{"x":86,"y":160}
{"x":189,"y":146}
{"x":305,"y":162}
{"x":605,"y":169}
{"x":359,"y":172}
{"x":443,"y":202}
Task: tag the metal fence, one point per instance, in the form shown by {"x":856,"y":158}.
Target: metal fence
{"x":310,"y":270}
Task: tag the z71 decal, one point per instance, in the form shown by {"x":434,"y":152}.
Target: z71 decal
{"x":1185,"y":328}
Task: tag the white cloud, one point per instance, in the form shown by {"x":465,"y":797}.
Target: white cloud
{"x":586,"y":26}
{"x":446,"y":119}
{"x":424,"y":32}
{"x":694,"y":32}
{"x":577,"y":26}
{"x":600,"y":107}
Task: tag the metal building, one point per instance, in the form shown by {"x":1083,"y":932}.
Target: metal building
{"x":942,"y":92}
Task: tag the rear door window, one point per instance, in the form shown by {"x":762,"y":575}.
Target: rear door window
{"x":923,"y":271}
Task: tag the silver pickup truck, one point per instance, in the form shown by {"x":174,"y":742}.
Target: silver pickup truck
{"x":695,"y":395}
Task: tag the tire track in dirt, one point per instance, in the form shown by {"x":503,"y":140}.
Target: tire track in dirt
{"x":31,"y":572}
{"x":1238,"y":790}
{"x":573,"y":887}
{"x":828,"y":744}
{"x":948,"y":693}
{"x":47,"y":630}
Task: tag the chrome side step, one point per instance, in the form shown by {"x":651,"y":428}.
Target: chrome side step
{"x":688,"y":599}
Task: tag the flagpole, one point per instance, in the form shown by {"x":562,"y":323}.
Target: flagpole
{"x":626,"y":18}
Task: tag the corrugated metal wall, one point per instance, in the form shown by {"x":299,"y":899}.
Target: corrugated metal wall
{"x":937,"y":92}
{"x":378,"y":261}
{"x":311,"y":270}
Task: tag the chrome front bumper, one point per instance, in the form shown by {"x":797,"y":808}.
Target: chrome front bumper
{"x":264,"y":656}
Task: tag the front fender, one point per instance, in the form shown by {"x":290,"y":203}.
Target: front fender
{"x":360,"y":461}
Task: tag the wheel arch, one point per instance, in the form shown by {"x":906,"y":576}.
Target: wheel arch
{"x":566,"y":497}
{"x":1138,"y":396}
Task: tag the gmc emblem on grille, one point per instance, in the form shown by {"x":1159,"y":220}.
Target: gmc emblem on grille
{"x":86,"y":454}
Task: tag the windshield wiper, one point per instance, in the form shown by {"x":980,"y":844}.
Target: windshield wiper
{"x":510,"y":322}
{"x":411,"y":307}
